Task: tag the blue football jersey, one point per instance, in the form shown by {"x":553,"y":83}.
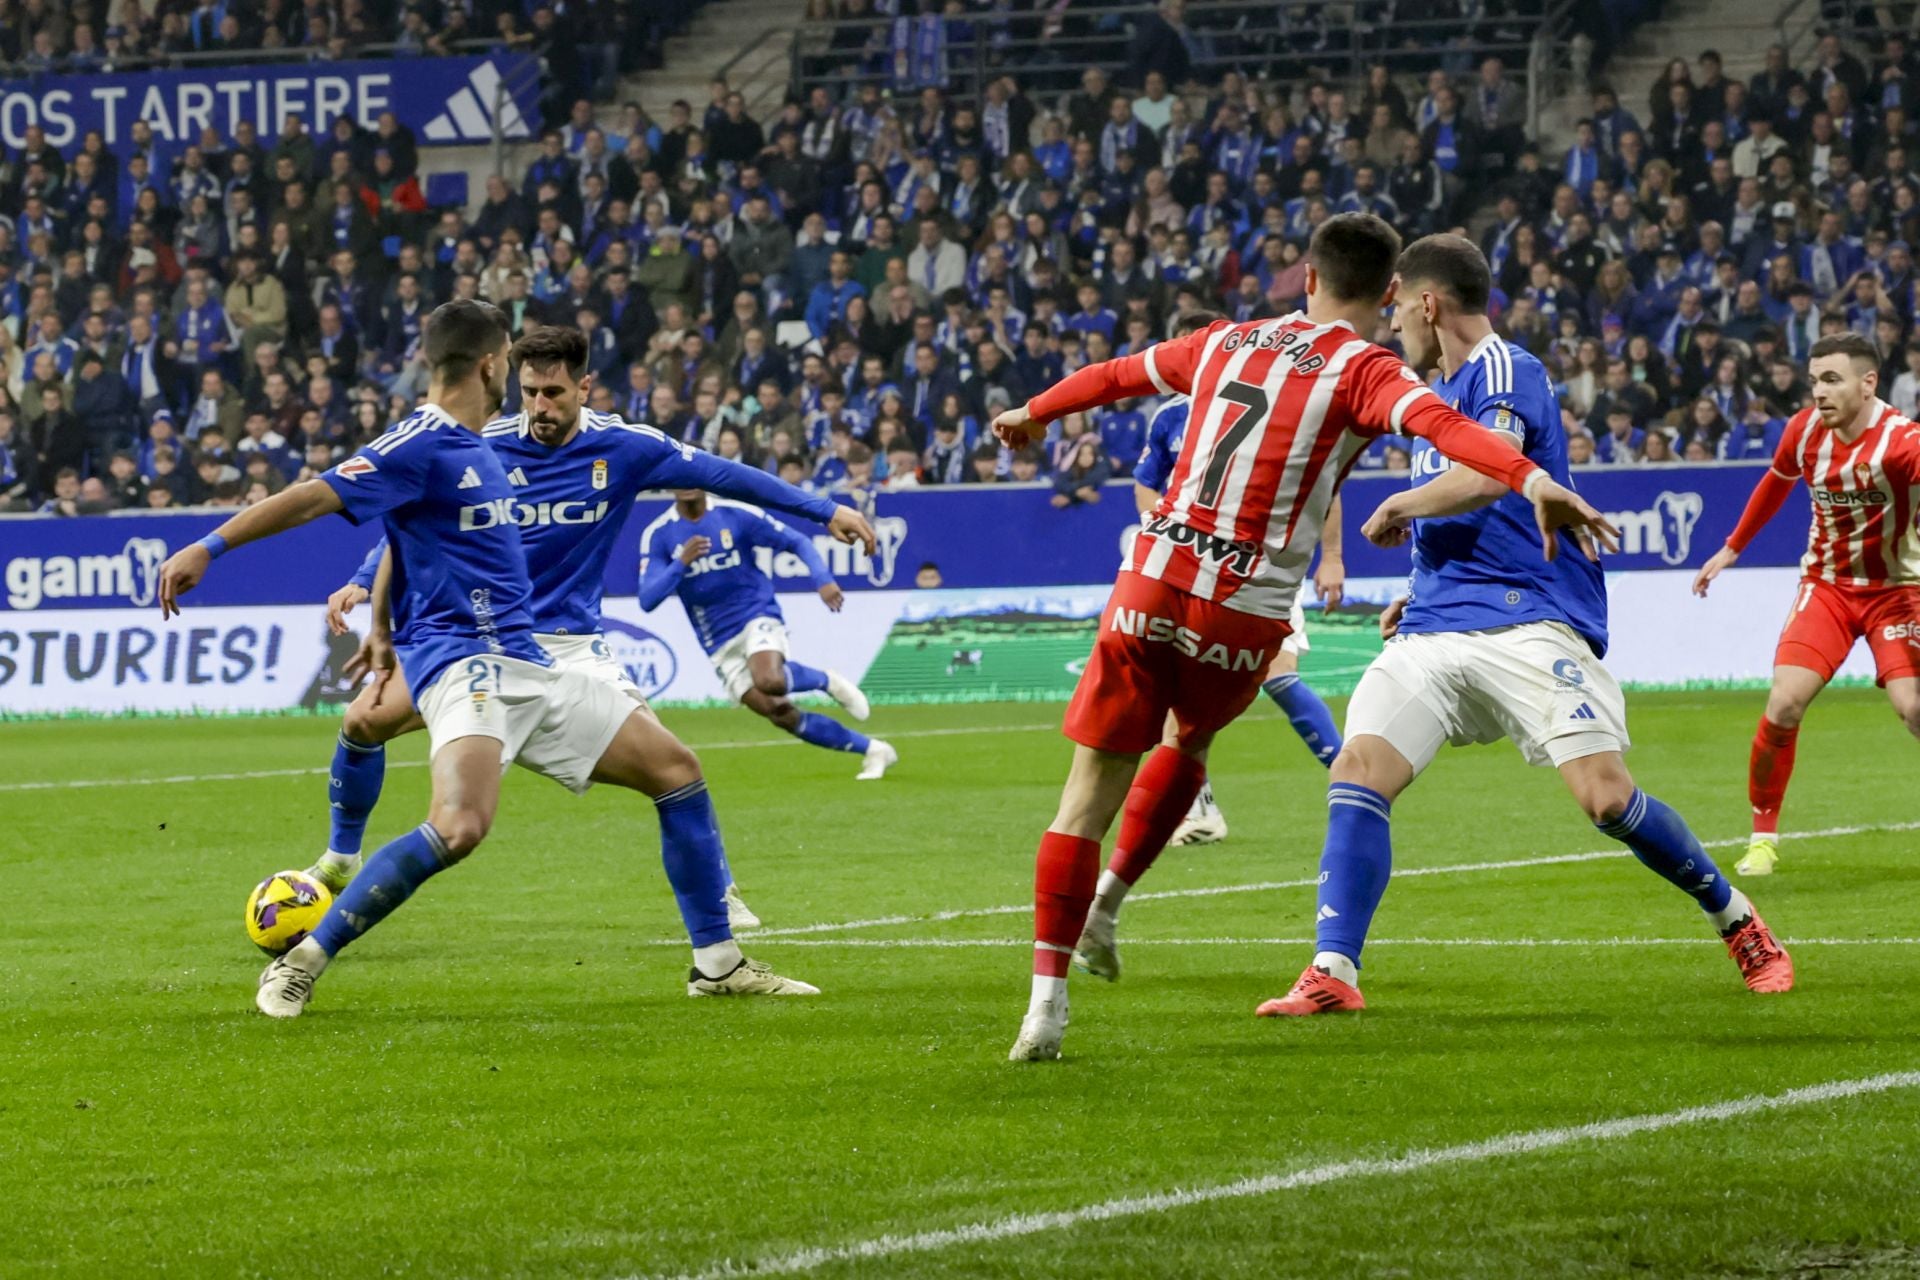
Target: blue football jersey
{"x":1165,"y":435}
{"x":1485,"y":569}
{"x":726,"y":588}
{"x":460,"y":587}
{"x":571,"y":502}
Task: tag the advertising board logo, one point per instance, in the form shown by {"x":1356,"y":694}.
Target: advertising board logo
{"x":132,"y":575}
{"x":469,"y":113}
{"x":648,"y":660}
{"x":1664,"y":529}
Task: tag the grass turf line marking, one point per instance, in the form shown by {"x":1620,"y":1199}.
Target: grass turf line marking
{"x":1526,"y":1142}
{"x":1262,"y":886}
{"x":74,"y":784}
{"x":1027,"y":943}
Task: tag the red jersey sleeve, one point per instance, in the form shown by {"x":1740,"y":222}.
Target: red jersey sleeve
{"x":1775,"y":486}
{"x":1167,"y":368}
{"x":1384,"y":395}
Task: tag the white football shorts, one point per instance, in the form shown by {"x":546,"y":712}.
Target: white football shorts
{"x":1536,"y":683}
{"x":556,"y":721}
{"x":1296,"y":644}
{"x":762,"y":635}
{"x":590,"y":656}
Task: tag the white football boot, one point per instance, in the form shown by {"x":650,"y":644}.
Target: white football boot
{"x":748,"y":978}
{"x":1098,"y":951}
{"x":1204,"y":823}
{"x":880,"y":757}
{"x":1041,"y":1032}
{"x":285,"y":989}
{"x":739,"y":914}
{"x":848,"y":695}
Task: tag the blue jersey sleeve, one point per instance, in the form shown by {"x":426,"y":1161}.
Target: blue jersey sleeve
{"x":364,"y":575}
{"x":660,"y":570}
{"x":768,"y":532}
{"x":666,"y":464}
{"x":1157,"y":459}
{"x":390,"y":472}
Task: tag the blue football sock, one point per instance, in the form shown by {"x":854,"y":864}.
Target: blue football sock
{"x":1308,"y":715}
{"x":1661,"y":839}
{"x":354,"y":788}
{"x":696,"y":866}
{"x":389,"y":879}
{"x":1354,"y":868}
{"x":825,"y":731}
{"x":804,"y":679}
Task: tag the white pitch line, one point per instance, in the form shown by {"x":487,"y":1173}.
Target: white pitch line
{"x":72,"y":784}
{"x":1262,"y":886}
{"x":1024,"y":943}
{"x":1526,"y":1142}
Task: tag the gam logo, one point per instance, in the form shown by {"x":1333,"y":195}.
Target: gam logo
{"x":1664,"y":529}
{"x":645,"y":657}
{"x":133,"y":575}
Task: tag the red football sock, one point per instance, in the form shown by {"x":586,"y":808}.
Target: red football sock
{"x":1769,"y":768}
{"x":1162,"y":793}
{"x":1064,"y":874}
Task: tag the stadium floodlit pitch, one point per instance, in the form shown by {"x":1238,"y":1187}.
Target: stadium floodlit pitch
{"x":1561,"y":1074}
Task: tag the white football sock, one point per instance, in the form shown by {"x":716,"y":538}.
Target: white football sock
{"x":1111,"y":892}
{"x":307,"y":954}
{"x":1338,"y":966}
{"x":1203,"y":805}
{"x":718,"y":959}
{"x":1736,"y":910}
{"x":1047,"y":990}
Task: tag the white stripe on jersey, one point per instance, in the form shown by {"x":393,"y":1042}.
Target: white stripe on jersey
{"x":1234,"y":477}
{"x":425,"y":418}
{"x":1858,"y":543}
{"x":1299,"y":550}
{"x":1818,"y":549}
{"x":1153,"y":374}
{"x":1497,"y":361}
{"x":1202,"y":435}
{"x":1397,"y":418}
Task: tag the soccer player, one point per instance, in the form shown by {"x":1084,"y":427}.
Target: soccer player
{"x":703,"y":552}
{"x":1281,"y":408}
{"x":1860,"y":576}
{"x":1205,"y":823}
{"x":454,"y":587}
{"x":1490,"y":642}
{"x":574,"y":475}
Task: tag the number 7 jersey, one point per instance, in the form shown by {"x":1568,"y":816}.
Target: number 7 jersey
{"x":1282,"y":409}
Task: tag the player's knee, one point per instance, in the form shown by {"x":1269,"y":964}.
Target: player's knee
{"x":783,"y":713}
{"x":461,"y":830}
{"x":1910,"y":716}
{"x":1354,"y":767}
{"x":676,"y":766}
{"x":770,"y":684}
{"x":365,"y":724}
{"x":1785,"y":710}
{"x":1605,"y":804}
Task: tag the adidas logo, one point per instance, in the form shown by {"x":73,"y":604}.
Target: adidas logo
{"x":1328,"y":913}
{"x":517,"y":477}
{"x":469,"y":113}
{"x":1584,"y":712}
{"x":471,"y":480}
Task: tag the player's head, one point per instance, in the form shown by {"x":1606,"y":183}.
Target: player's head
{"x":467,"y":340}
{"x":1845,"y":369}
{"x":1350,"y":260}
{"x":692,"y":501}
{"x":554,"y":382}
{"x":1440,"y":277}
{"x":1196,"y":320}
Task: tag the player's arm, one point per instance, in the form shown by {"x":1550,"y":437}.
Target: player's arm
{"x":660,"y":572}
{"x":356,"y":591}
{"x":679,"y":467}
{"x":780,"y":538}
{"x":291,"y":507}
{"x":375,"y":655}
{"x":1763,"y":504}
{"x":1165,"y":369}
{"x":1330,"y":579}
{"x":1144,"y":499}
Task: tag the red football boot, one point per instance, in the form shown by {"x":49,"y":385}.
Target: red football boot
{"x":1763,"y":962}
{"x":1317,"y":992}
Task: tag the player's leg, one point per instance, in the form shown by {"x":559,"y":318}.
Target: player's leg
{"x":1667,"y":846}
{"x":802,"y":678}
{"x":1892,"y":626}
{"x":1304,"y":709}
{"x":378,"y":714}
{"x":1401,"y":713}
{"x":1205,"y":822}
{"x":466,"y":793}
{"x":643,"y":755}
{"x":1819,"y":632}
{"x":759,"y":674}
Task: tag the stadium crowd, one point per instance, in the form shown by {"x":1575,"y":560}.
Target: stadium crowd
{"x":846,"y":292}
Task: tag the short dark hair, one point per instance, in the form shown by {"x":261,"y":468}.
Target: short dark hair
{"x":550,"y":346}
{"x":459,"y":334}
{"x":1196,"y":320}
{"x":1354,"y":254}
{"x":1858,"y":346}
{"x":1453,"y":264}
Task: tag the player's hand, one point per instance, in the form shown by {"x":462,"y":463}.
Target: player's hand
{"x":1557,"y":507}
{"x":341,"y":603}
{"x":694,"y":547}
{"x":1720,"y":561}
{"x":833,"y":596}
{"x":1330,"y":580}
{"x":849,"y":525}
{"x":1016,"y":429}
{"x":1390,"y":618}
{"x":180,"y":574}
{"x":1386,"y":527}
{"x":374,"y":657}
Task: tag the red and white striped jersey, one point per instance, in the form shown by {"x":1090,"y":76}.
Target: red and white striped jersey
{"x":1864,"y":533}
{"x":1281,"y":410}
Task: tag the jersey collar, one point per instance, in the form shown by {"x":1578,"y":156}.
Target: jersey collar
{"x":1480,"y":347}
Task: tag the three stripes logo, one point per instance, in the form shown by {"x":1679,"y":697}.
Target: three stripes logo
{"x":1583,"y":712}
{"x":469,"y":113}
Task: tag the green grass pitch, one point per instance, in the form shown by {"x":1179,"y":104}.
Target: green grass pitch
{"x":507,"y":1079}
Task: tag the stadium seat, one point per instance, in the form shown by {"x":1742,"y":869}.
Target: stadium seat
{"x":447,"y":190}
